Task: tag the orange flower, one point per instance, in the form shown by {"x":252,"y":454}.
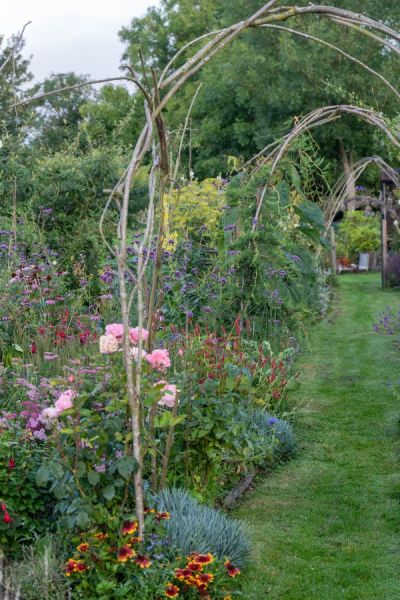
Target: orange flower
{"x":228,"y":597}
{"x":171,"y":591}
{"x":129,"y":527}
{"x":83,"y":547}
{"x":125,"y":553}
{"x":101,"y":536}
{"x":143,"y":561}
{"x":231,"y":569}
{"x":148,"y":510}
{"x":162,"y":516}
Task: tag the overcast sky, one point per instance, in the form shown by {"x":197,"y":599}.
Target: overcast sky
{"x":71,"y":35}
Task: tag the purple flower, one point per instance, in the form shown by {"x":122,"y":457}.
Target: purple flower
{"x":40,"y":434}
{"x":272,"y":421}
{"x":100,"y":468}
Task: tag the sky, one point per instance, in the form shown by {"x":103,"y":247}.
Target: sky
{"x":71,"y":35}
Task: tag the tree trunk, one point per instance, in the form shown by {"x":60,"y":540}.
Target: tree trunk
{"x":350,"y":183}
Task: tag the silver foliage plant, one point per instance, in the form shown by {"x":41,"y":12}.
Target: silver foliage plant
{"x":194,"y":527}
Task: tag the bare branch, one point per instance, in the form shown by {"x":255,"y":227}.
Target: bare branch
{"x":16,"y":47}
{"x":68,"y":88}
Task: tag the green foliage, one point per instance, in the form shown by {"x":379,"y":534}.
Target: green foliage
{"x":25,"y":503}
{"x":358,"y":233}
{"x":196,"y":526}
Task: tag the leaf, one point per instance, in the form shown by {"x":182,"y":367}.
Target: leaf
{"x":42,"y":476}
{"x":93,"y":477}
{"x":82,"y":519}
{"x":109,"y":492}
{"x":126,"y":466}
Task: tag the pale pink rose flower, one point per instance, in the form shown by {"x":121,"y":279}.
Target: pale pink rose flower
{"x":159,"y":359}
{"x":134,"y":334}
{"x":169,"y":395}
{"x":135,"y":352}
{"x":65,"y":401}
{"x":108,"y":344}
{"x":51,"y":412}
{"x":115,"y":329}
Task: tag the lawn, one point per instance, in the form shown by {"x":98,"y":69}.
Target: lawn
{"x":327,"y":526}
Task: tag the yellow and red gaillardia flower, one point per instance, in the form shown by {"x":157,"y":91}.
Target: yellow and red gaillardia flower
{"x":75,"y":566}
{"x":129,"y":527}
{"x":148,"y":510}
{"x":84,"y":547}
{"x":204,"y":578}
{"x":228,"y":597}
{"x":231,"y":569}
{"x":101,"y":536}
{"x":135,"y":540}
{"x":171,"y":591}
{"x":186,"y":576}
{"x":162,"y":516}
{"x":193,"y":566}
{"x":125,"y":553}
{"x":202,"y":559}
{"x":143,"y":561}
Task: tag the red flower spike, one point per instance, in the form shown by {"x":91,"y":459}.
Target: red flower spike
{"x":7,"y":519}
{"x":11,"y":463}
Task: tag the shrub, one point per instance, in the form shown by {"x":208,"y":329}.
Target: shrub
{"x":269,"y":426}
{"x":195,"y":527}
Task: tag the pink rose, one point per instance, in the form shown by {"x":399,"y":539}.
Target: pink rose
{"x":108,"y":344}
{"x":169,"y":395}
{"x":65,"y":401}
{"x":159,"y":359}
{"x":134,"y":334}
{"x":181,"y":352}
{"x":135,"y":352}
{"x":115,"y":329}
{"x":51,"y":412}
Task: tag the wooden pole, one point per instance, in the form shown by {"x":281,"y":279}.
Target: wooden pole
{"x":384,"y":237}
{"x":333,"y":249}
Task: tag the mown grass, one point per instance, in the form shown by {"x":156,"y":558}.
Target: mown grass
{"x":327,"y":526}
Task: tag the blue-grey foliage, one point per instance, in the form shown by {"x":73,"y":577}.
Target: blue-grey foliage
{"x":194,"y":527}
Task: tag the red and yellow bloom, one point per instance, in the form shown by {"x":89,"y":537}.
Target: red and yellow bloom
{"x":125,"y":553}
{"x":162,"y":516}
{"x":231,"y":569}
{"x":202,"y":559}
{"x":171,"y":591}
{"x":129,"y":527}
{"x":75,"y":566}
{"x":83,"y":547}
{"x":143,"y":561}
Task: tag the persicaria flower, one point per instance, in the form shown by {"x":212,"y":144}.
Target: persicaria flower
{"x":11,"y":463}
{"x":125,"y":553}
{"x":231,"y":569}
{"x":134,"y":334}
{"x":159,"y":359}
{"x":108,"y":344}
{"x":171,"y":591}
{"x":115,"y":329}
{"x":169,"y":394}
{"x":65,"y":400}
{"x":129,"y":527}
{"x":143,"y":561}
{"x":7,"y":519}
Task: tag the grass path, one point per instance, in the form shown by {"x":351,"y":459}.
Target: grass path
{"x":327,"y":526}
